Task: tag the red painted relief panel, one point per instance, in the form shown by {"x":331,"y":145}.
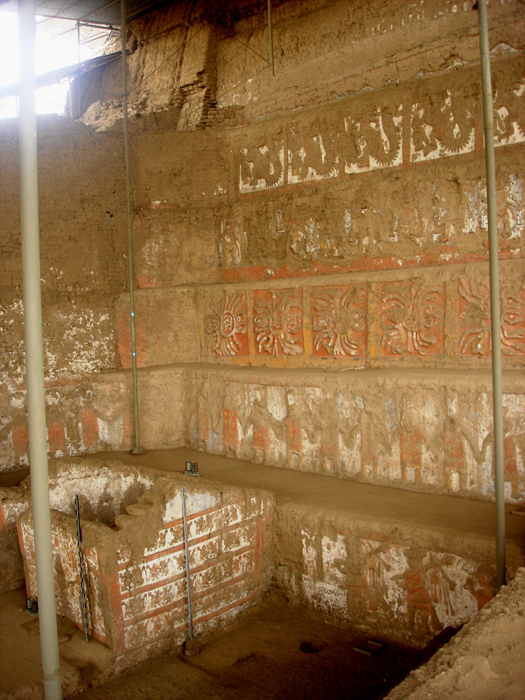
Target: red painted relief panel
{"x":56,"y":437}
{"x":474,"y":332}
{"x":412,"y":316}
{"x":278,"y":322}
{"x":226,"y":325}
{"x":339,"y":321}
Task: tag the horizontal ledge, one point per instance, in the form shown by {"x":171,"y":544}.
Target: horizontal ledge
{"x":514,"y":378}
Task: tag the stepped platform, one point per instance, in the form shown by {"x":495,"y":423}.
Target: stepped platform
{"x":399,"y":563}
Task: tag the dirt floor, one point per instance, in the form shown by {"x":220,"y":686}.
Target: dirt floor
{"x":277,"y":651}
{"x":378,"y":504}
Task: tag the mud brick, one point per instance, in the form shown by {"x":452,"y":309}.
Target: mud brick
{"x":168,"y":538}
{"x":278,"y":322}
{"x":253,"y":507}
{"x":218,"y":602}
{"x":89,"y":424}
{"x":231,"y":432}
{"x":157,"y":625}
{"x":412,"y":317}
{"x":56,"y":439}
{"x":20,"y":437}
{"x":230,"y":515}
{"x":339,"y":321}
{"x":201,"y":525}
{"x":214,"y":575}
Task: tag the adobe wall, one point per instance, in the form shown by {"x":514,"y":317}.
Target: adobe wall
{"x":83,"y":270}
{"x":312,"y":284}
{"x":135,"y":572}
{"x":390,"y":580}
{"x":343,"y":230}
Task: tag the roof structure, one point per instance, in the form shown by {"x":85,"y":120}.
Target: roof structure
{"x":106,"y":12}
{"x":60,"y":74}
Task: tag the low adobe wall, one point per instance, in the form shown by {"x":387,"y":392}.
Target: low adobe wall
{"x":135,"y":570}
{"x":403,"y":580}
{"x":13,"y":502}
{"x":390,"y":580}
{"x":102,"y":498}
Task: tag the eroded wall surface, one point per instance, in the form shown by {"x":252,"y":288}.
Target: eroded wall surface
{"x":135,"y":572}
{"x":332,"y":251}
{"x":388,"y":579}
{"x":312,"y":278}
{"x":83,"y":270}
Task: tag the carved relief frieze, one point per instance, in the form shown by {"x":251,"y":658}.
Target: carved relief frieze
{"x":339,"y":321}
{"x":442,"y":125}
{"x":226,"y":325}
{"x":438,"y":122}
{"x":233,"y":241}
{"x":444,"y":218}
{"x":312,"y":152}
{"x":372,"y":139}
{"x":474,"y":320}
{"x":511,"y":213}
{"x":278,"y":322}
{"x":412,"y":318}
{"x":509,"y":112}
{"x":262,"y":163}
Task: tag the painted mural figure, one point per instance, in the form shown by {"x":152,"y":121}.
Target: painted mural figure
{"x":474,"y":320}
{"x":372,"y":139}
{"x":420,"y":607}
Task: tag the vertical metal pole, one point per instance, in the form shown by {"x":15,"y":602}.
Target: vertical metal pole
{"x":270,"y":36}
{"x":187,"y":555}
{"x":137,"y":449}
{"x":497,"y":391}
{"x":36,"y":406}
{"x":78,"y":42}
{"x":81,"y":569}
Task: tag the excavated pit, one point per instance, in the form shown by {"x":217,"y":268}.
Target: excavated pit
{"x":333,"y":563}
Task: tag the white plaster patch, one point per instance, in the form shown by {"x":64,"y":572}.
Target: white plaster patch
{"x":277,"y":402}
{"x":105,"y":488}
{"x":111,"y":433}
{"x":385,"y":568}
{"x":350,"y":455}
{"x":195,"y":503}
{"x":446,"y":577}
{"x":324,"y":589}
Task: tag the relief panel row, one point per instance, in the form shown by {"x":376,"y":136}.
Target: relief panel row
{"x":427,"y":321}
{"x":435,"y":119}
{"x":419,"y":219}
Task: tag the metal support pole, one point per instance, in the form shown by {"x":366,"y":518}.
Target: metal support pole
{"x":270,"y":37}
{"x":187,"y":555}
{"x":36,"y":406}
{"x":137,"y":449}
{"x":497,"y":392}
{"x":78,"y":42}
{"x":81,"y":571}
